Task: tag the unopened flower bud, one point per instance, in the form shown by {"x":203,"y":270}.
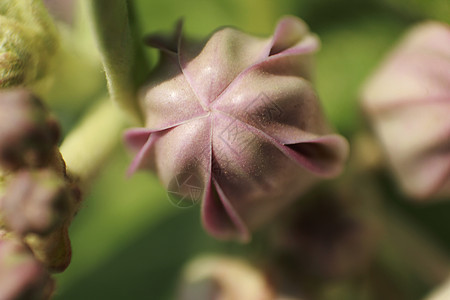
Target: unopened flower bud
{"x":21,"y":275}
{"x":54,"y":250}
{"x":28,"y":134}
{"x":225,"y":278}
{"x":35,"y":202}
{"x":28,"y":41}
{"x":408,"y":100}
{"x":234,"y":122}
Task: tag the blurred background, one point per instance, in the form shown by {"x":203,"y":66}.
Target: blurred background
{"x":129,"y":241}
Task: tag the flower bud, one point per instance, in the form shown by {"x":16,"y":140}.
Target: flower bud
{"x":237,"y":119}
{"x":21,"y":275}
{"x":54,"y":250}
{"x":28,"y":134}
{"x":225,"y":278}
{"x":35,"y":202}
{"x":28,"y":41}
{"x":408,"y":101}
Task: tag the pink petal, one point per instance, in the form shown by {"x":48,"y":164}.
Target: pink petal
{"x":219,"y":217}
{"x":251,"y":168}
{"x":135,"y":138}
{"x":168,"y":99}
{"x":212,"y":65}
{"x":143,"y":159}
{"x":416,"y":142}
{"x":289,"y":33}
{"x":184,"y":149}
{"x":324,"y":155}
{"x":284,"y":107}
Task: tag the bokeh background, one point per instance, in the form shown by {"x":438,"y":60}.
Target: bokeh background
{"x":129,"y":241}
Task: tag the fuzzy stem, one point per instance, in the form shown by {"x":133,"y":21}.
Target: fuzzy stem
{"x":113,"y":35}
{"x":88,"y":146}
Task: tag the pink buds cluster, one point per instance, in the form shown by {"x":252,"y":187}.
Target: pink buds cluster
{"x":37,"y":199}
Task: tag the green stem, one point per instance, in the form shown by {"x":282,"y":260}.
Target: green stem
{"x":88,"y":146}
{"x":113,"y":35}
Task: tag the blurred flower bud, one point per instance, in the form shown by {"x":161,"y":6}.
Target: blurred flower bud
{"x":408,"y":100}
{"x":35,"y":202}
{"x":327,"y":238}
{"x":54,"y":250}
{"x":28,"y":41}
{"x":224,"y":278}
{"x":234,"y":122}
{"x":28,"y":134}
{"x":21,"y":275}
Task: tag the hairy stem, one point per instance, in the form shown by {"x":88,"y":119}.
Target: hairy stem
{"x":118,"y":52}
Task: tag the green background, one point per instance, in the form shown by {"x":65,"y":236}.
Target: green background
{"x":128,"y":241}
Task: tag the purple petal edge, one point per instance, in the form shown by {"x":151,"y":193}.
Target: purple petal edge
{"x":209,"y":219}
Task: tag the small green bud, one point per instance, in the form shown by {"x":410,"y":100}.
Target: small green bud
{"x":28,"y":41}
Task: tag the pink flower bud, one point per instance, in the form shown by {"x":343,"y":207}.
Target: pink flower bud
{"x":408,"y":100}
{"x":28,"y":134}
{"x":21,"y":275}
{"x":36,"y":202}
{"x":236,"y":120}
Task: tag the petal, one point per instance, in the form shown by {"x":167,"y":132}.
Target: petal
{"x":416,"y":141}
{"x":284,"y":107}
{"x":167,"y":99}
{"x":253,"y":171}
{"x":417,"y":71}
{"x":323,"y":155}
{"x":140,"y":140}
{"x":289,"y":33}
{"x":135,"y":138}
{"x":184,"y":149}
{"x":219,"y":217}
{"x":212,"y":65}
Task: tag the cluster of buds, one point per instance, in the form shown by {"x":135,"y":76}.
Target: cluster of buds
{"x":37,"y":199}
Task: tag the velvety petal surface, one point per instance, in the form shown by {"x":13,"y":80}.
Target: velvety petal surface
{"x":212,"y":65}
{"x":167,"y":99}
{"x":408,"y":99}
{"x":237,"y":117}
{"x":253,"y":171}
